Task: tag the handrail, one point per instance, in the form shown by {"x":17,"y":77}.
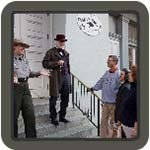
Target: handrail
{"x":86,"y":86}
{"x":87,"y":107}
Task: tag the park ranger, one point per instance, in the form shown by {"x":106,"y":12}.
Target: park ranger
{"x":22,"y":95}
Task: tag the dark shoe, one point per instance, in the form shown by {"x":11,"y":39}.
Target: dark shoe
{"x":55,"y":122}
{"x":64,"y":120}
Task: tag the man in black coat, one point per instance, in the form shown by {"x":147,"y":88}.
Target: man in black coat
{"x":57,"y":61}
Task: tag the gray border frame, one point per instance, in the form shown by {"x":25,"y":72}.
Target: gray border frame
{"x":80,"y":6}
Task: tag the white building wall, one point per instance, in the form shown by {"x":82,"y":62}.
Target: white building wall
{"x":58,"y":25}
{"x":88,"y":54}
{"x":114,"y":38}
{"x":17,"y":26}
{"x":32,"y":29}
{"x":112,"y":24}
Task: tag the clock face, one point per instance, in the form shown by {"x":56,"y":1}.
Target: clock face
{"x":90,"y":24}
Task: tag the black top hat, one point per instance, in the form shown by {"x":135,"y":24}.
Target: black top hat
{"x":60,"y":37}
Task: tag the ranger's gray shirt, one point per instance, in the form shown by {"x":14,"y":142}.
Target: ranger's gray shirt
{"x":22,"y":69}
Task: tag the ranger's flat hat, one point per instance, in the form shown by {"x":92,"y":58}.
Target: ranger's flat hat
{"x":20,"y":42}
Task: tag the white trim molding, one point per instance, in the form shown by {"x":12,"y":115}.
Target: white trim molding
{"x":132,"y":42}
{"x":114,"y":36}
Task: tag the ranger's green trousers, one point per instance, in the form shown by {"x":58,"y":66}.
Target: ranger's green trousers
{"x":23,"y":103}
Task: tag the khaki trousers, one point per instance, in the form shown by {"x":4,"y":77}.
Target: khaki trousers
{"x":107,"y":120}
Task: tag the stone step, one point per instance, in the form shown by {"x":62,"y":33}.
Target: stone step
{"x":43,"y":109}
{"x":41,"y":106}
{"x":82,"y":131}
{"x":94,"y":137}
{"x":43,"y":118}
{"x":48,"y":128}
{"x":42,"y":101}
{"x":79,"y":126}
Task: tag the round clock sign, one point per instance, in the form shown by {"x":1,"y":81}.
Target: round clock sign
{"x":90,"y":24}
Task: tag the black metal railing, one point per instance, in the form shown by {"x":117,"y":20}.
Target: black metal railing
{"x":87,"y":102}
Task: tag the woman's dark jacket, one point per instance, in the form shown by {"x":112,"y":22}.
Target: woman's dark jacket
{"x":129,"y":112}
{"x":122,"y":92}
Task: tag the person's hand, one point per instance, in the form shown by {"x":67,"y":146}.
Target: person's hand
{"x":117,"y":125}
{"x":60,"y":62}
{"x":45,"y":72}
{"x":89,"y":89}
{"x":134,"y":130}
{"x":16,"y":79}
